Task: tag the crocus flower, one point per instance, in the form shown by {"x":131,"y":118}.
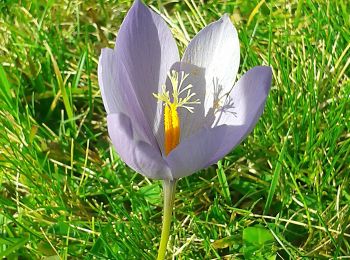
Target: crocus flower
{"x":170,"y":117}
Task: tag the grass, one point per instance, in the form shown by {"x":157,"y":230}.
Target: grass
{"x":282,"y":194}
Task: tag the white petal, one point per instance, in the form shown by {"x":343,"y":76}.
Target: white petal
{"x":216,"y":50}
{"x":190,"y":123}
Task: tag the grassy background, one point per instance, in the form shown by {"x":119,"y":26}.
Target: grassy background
{"x":64,"y":193}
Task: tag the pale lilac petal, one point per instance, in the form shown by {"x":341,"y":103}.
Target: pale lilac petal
{"x":245,"y":102}
{"x":146,"y":50}
{"x":136,"y":68}
{"x":118,"y":95}
{"x":209,"y":145}
{"x":138,"y":155}
{"x":107,"y":77}
{"x":194,"y":153}
{"x":215,"y":49}
{"x":204,"y":148}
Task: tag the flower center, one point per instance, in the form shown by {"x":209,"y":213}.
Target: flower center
{"x":171,"y":116}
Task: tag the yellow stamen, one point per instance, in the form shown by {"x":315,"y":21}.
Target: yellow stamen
{"x":171,"y":116}
{"x":171,"y":128}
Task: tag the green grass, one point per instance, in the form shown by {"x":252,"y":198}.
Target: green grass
{"x":283,"y":193}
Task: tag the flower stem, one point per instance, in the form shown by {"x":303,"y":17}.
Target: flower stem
{"x":169,"y":188}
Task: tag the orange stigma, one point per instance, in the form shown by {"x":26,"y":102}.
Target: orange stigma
{"x":171,"y":128}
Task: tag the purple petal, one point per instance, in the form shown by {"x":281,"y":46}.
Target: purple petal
{"x":107,"y":77}
{"x":117,"y":94}
{"x":138,"y":155}
{"x":245,"y":102}
{"x":215,"y":49}
{"x":194,"y":153}
{"x":209,"y":145}
{"x":136,"y":68}
{"x":146,"y":50}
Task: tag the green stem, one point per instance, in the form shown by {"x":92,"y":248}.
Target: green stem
{"x":169,"y":188}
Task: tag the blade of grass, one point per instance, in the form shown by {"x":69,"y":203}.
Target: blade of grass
{"x":276,"y":176}
{"x":61,"y":86}
{"x":12,"y":246}
{"x":5,"y":89}
{"x":79,"y":70}
{"x":223,"y":183}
